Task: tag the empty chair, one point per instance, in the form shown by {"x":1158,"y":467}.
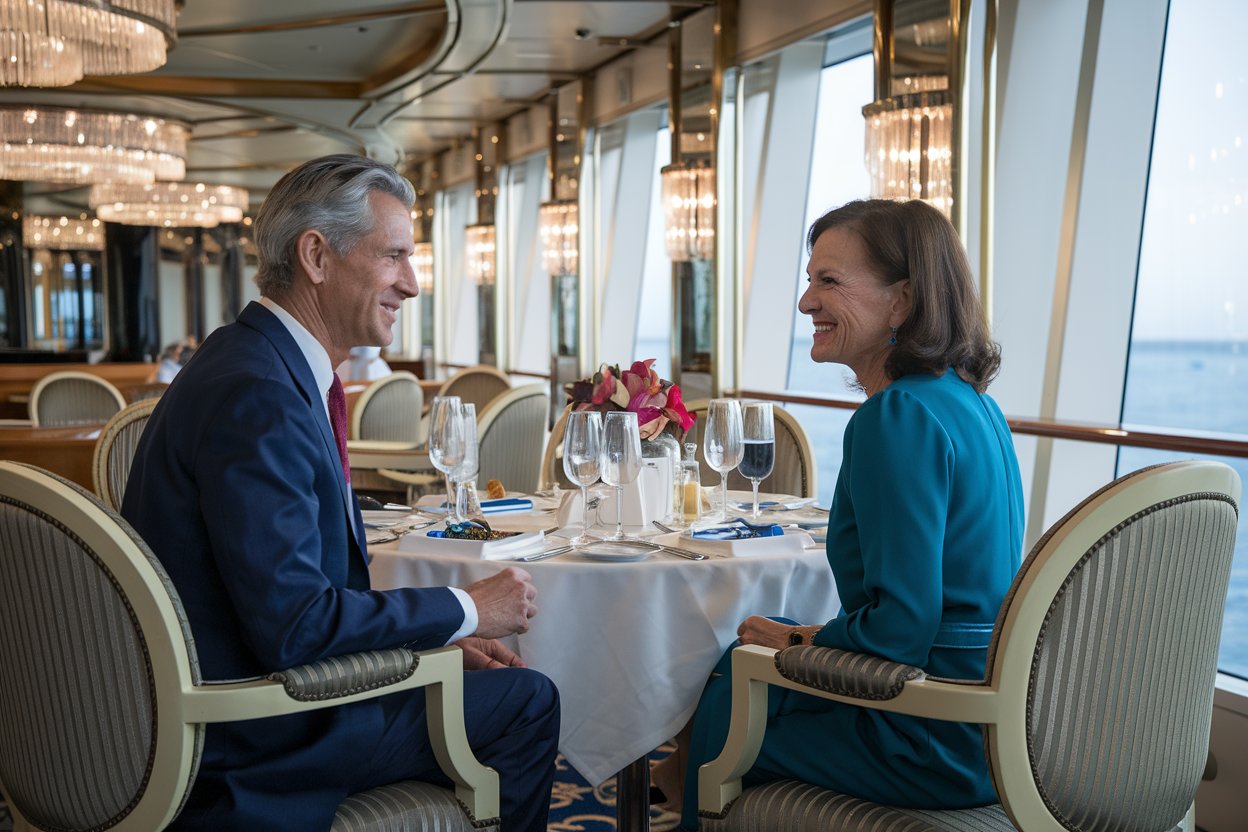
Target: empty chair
{"x":73,"y":398}
{"x":552,"y":475}
{"x":390,"y":409}
{"x":114,"y":451}
{"x":794,"y":471}
{"x":510,"y":433}
{"x":102,"y":709}
{"x":478,"y":385}
{"x":1099,"y":688}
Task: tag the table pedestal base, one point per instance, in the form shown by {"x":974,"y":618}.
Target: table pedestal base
{"x":632,"y":797}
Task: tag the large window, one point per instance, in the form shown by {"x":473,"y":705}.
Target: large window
{"x":837,"y":175}
{"x":1188,"y":365}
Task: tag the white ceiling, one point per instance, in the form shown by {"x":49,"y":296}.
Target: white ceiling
{"x":267,"y":84}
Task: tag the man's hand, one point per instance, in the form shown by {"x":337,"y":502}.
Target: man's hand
{"x":504,"y":603}
{"x":486,"y":654}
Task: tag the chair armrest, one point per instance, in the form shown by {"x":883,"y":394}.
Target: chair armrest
{"x":853,"y":678}
{"x":341,"y":676}
{"x":356,"y":677}
{"x":855,"y":675}
{"x":369,"y":455}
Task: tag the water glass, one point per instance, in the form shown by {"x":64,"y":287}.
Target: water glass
{"x":723,"y":444}
{"x":466,"y":472}
{"x":621,"y":459}
{"x":447,"y":447}
{"x":759,"y":445}
{"x":582,"y":460}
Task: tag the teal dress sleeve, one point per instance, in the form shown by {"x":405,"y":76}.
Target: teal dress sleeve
{"x":887,"y":528}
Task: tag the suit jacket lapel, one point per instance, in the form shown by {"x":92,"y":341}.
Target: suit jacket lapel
{"x":261,"y":319}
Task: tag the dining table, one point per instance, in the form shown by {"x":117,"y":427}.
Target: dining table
{"x":629,"y":641}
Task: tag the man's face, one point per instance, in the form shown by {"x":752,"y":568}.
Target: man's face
{"x":362,"y":290}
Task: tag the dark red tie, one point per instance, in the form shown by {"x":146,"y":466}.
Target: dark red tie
{"x":338,"y":420}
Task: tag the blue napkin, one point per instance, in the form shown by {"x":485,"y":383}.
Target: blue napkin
{"x":506,"y":504}
{"x":739,"y":529}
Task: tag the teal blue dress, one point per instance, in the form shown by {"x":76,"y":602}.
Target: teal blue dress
{"x":924,"y":537}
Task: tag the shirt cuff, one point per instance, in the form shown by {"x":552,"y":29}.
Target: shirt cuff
{"x":470,"y":614}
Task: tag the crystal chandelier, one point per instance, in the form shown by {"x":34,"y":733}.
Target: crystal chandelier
{"x":422,"y":265}
{"x":479,"y":240}
{"x":689,"y":211}
{"x":909,"y":148}
{"x":63,"y":233}
{"x":169,"y":204}
{"x":557,"y":223}
{"x":54,"y":144}
{"x":53,"y":43}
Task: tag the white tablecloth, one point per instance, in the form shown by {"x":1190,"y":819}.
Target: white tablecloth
{"x":630,"y":645}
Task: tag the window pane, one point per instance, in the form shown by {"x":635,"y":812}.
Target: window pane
{"x":837,"y":175}
{"x":654,"y":321}
{"x":1188,"y":364}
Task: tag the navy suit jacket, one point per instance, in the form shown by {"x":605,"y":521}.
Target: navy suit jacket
{"x":238,"y":489}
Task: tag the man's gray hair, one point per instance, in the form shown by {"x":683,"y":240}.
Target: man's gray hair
{"x":330,"y":195}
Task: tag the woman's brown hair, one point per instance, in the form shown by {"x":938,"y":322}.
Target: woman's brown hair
{"x":913,"y":241}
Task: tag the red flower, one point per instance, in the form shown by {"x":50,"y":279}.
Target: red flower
{"x":638,"y":389}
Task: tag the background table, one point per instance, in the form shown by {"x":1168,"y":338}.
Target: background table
{"x":630,"y":645}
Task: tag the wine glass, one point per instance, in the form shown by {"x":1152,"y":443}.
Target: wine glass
{"x":467,"y":470}
{"x":582,"y":460}
{"x":759,"y":445}
{"x":722,"y":445}
{"x":447,"y":447}
{"x":621,"y":459}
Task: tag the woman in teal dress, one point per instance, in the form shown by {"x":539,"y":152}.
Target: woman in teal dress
{"x":925,"y":530}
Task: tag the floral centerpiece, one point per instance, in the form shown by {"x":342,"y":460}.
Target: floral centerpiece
{"x":657,"y":402}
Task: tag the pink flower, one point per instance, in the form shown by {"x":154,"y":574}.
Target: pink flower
{"x":605,"y":389}
{"x":638,"y":389}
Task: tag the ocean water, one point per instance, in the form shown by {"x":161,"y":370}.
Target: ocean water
{"x":1184,"y":386}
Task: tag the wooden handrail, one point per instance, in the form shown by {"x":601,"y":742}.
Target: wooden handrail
{"x":1211,"y":444}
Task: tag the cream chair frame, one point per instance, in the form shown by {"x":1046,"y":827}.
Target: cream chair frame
{"x":1000,"y":702}
{"x":64,"y":375}
{"x":784,"y":420}
{"x":361,"y":404}
{"x":184,"y":706}
{"x":465,"y":375}
{"x":104,"y":461}
{"x":551,"y":456}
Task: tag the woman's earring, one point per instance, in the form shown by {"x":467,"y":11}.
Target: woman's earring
{"x":892,"y":339}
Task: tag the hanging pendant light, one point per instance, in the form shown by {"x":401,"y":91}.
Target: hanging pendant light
{"x":81,"y":233}
{"x":558,"y":226}
{"x":688,"y":191}
{"x":480,"y":243}
{"x":169,"y":204}
{"x":422,"y":265}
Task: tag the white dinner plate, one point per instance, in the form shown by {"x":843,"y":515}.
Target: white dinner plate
{"x":615,"y":551}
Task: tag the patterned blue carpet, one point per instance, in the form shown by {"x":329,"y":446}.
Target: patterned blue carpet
{"x":576,"y":806}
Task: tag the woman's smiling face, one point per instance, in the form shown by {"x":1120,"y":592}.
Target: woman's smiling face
{"x":851,"y":306}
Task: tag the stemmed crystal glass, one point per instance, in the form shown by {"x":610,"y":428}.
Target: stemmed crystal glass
{"x":759,"y":451}
{"x":466,"y":474}
{"x":621,"y":459}
{"x":582,"y":461}
{"x":447,"y":445}
{"x":723,"y":443}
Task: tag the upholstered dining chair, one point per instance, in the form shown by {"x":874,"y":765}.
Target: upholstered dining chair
{"x":1100,"y":675}
{"x":390,"y":409}
{"x":510,"y":434}
{"x":73,"y":398}
{"x":102,"y":708}
{"x":114,"y":451}
{"x":552,"y":475}
{"x":479,"y":385}
{"x":794,"y":472}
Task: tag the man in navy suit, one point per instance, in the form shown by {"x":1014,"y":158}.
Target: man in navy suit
{"x":239,"y":488}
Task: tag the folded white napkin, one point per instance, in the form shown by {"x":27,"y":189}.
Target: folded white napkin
{"x":791,"y":542}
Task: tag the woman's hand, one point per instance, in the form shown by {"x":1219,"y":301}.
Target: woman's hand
{"x":767,"y":633}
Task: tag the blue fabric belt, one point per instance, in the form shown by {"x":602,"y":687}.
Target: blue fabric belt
{"x":963,"y":635}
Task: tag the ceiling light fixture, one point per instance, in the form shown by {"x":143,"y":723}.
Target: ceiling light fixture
{"x":169,"y":204}
{"x":909,"y":148}
{"x":422,"y":265}
{"x":479,"y":240}
{"x":689,"y":211}
{"x":557,"y":224}
{"x":53,"y":43}
{"x":80,"y":233}
{"x":54,"y":144}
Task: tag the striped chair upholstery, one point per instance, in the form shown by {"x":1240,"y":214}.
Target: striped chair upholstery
{"x":795,"y":469}
{"x":1099,"y":692}
{"x":100,"y":669}
{"x":511,"y":433}
{"x":390,"y":409}
{"x":479,"y":385}
{"x":114,"y":451}
{"x":72,"y":398}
